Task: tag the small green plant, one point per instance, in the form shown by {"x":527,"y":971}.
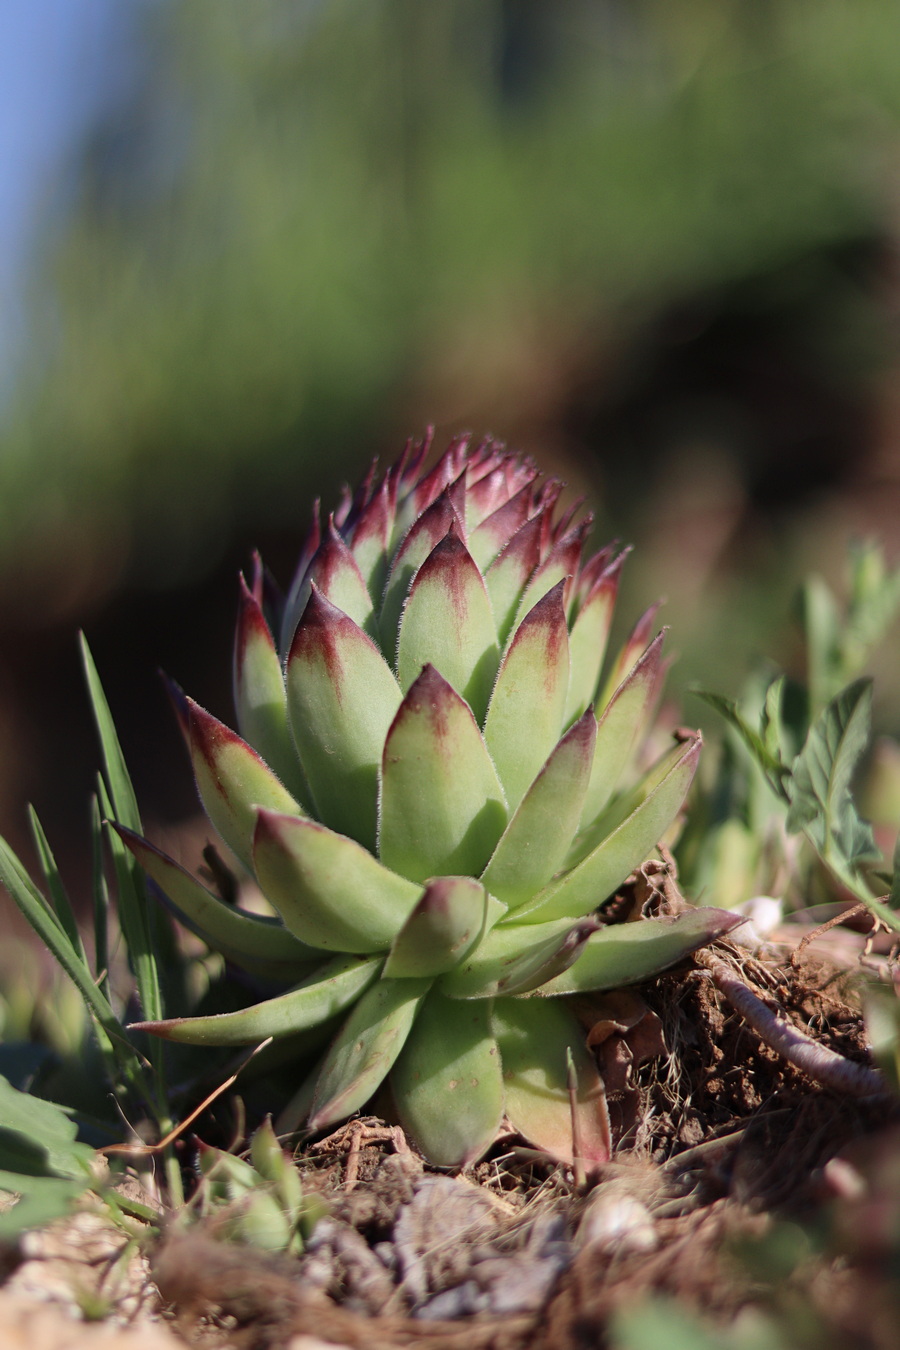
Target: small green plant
{"x":427,"y":789}
{"x":259,"y":1200}
{"x":795,"y":752}
{"x":435,"y":789}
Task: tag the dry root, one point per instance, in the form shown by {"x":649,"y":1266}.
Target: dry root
{"x":819,"y":1063}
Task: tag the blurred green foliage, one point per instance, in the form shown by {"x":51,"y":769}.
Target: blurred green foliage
{"x":311,"y":226}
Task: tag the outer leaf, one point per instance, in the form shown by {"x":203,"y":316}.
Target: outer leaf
{"x":249,"y":940}
{"x":331,"y":989}
{"x":525,"y":717}
{"x":639,"y":821}
{"x":444,"y":926}
{"x":627,"y":953}
{"x":260,"y":697}
{"x":365,"y":1049}
{"x":329,"y":890}
{"x":442,"y":806}
{"x":516,"y":958}
{"x":232,"y":780}
{"x":447,"y":1082}
{"x":622,"y":727}
{"x":535,"y":1038}
{"x":447,"y":620}
{"x":537,"y":839}
{"x":821,"y":800}
{"x":342,"y":698}
{"x":634,"y":645}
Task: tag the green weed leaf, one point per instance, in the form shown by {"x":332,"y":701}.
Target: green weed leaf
{"x":763,"y":751}
{"x":821,"y":800}
{"x":40,"y":1159}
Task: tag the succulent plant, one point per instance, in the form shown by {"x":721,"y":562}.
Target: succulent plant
{"x":427,"y":789}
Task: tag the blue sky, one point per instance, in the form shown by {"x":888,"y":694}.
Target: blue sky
{"x":60,"y":60}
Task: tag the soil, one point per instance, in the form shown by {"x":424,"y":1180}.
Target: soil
{"x":766,"y":1205}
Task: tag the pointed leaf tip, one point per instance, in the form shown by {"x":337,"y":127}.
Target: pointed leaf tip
{"x":329,"y":890}
{"x":447,"y":621}
{"x":530,"y":692}
{"x":232,"y":780}
{"x":342,"y":698}
{"x":442,"y":806}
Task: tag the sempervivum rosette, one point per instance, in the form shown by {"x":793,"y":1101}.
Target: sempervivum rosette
{"x":426,"y":788}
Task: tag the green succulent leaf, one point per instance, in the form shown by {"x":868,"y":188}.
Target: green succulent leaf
{"x":260,"y":697}
{"x":329,"y":890}
{"x":626,"y":953}
{"x":628,"y":832}
{"x":509,"y":572}
{"x":525,"y":717}
{"x":560,"y":565}
{"x":423,"y":536}
{"x":447,"y":1082}
{"x":516,"y":958}
{"x":445,"y":924}
{"x":535,"y":843}
{"x":821,"y":800}
{"x":631,"y":651}
{"x":335,"y":574}
{"x":447,"y":621}
{"x":536,"y":1038}
{"x":342,"y":698}
{"x":232,"y":780}
{"x":331,"y":989}
{"x":588,"y":639}
{"x":442,"y":806}
{"x":365,"y":1049}
{"x":370,"y":540}
{"x":490,"y":535}
{"x":255,"y":943}
{"x":622,"y":726}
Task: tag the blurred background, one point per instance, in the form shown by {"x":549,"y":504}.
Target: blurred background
{"x":245,"y":247}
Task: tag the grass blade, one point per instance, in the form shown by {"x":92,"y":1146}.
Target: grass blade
{"x":59,"y":899}
{"x":101,"y":900}
{"x":118,"y":779}
{"x":48,"y":928}
{"x":133,"y":915}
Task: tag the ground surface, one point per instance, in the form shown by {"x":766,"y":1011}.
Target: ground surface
{"x":763,"y":1202}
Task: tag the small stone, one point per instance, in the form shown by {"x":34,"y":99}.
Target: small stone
{"x":614,"y":1220}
